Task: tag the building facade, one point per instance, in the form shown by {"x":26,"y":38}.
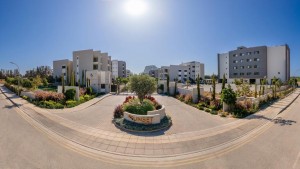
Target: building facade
{"x":149,"y":68}
{"x":195,"y":69}
{"x":89,"y":60}
{"x":62,"y":68}
{"x":118,"y":69}
{"x":255,"y":63}
{"x":128,"y":73}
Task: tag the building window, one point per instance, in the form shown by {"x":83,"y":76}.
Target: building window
{"x":102,"y":86}
{"x":241,"y":74}
{"x":248,"y":53}
{"x":256,"y":52}
{"x":235,"y":61}
{"x":249,"y":66}
{"x":249,"y":60}
{"x":256,"y":73}
{"x":242,"y":54}
{"x":95,"y":59}
{"x":63,"y":67}
{"x":235,"y":74}
{"x":235,"y":67}
{"x":256,"y":59}
{"x":234,"y":55}
{"x":279,"y":73}
{"x":185,"y":70}
{"x":179,"y":75}
{"x":179,"y":70}
{"x":242,"y":60}
{"x":255,"y":66}
{"x":248,"y":73}
{"x":95,"y":67}
{"x":242,"y":67}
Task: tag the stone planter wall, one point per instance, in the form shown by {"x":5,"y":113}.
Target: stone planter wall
{"x":142,"y":119}
{"x":161,"y":112}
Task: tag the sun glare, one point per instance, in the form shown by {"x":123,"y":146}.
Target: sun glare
{"x":135,"y":7}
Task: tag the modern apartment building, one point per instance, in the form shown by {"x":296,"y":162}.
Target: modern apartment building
{"x":255,"y":63}
{"x":195,"y":69}
{"x":88,"y":66}
{"x":182,"y":72}
{"x":118,"y":69}
{"x":87,"y":60}
{"x":149,"y":68}
{"x":62,"y":68}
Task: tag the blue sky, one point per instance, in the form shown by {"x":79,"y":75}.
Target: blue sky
{"x":36,"y":32}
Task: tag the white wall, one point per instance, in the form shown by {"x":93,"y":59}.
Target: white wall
{"x":276,"y":61}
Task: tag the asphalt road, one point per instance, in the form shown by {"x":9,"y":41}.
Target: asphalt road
{"x":22,"y":146}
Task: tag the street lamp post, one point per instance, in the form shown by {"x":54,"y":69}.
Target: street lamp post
{"x":18,"y":92}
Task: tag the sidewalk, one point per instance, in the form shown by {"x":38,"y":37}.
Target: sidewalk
{"x":149,"y":147}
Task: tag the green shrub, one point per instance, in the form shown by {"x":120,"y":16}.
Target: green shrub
{"x":87,"y":97}
{"x":228,"y":96}
{"x":50,"y":104}
{"x":71,"y":103}
{"x":27,"y":83}
{"x":25,"y":97}
{"x":207,"y":110}
{"x":89,"y":90}
{"x":214,"y":112}
{"x":135,"y":107}
{"x":201,"y":108}
{"x":70,"y":94}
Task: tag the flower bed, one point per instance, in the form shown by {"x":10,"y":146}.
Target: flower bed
{"x":141,"y":113}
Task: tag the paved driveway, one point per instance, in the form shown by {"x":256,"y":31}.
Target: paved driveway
{"x":185,"y":118}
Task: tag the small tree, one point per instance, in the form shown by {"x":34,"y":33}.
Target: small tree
{"x":168,"y":84}
{"x":82,"y":77}
{"x":125,"y":81}
{"x":213,"y":87}
{"x":37,"y":81}
{"x":72,"y":79}
{"x":255,"y":92}
{"x":187,"y":83}
{"x":118,"y":82}
{"x":142,"y":85}
{"x":198,"y":87}
{"x":228,"y":96}
{"x":223,"y":81}
{"x":45,"y":82}
{"x":175,"y":89}
{"x":63,"y":84}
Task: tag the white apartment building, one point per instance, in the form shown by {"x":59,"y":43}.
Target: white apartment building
{"x":182,"y":72}
{"x":255,"y":63}
{"x":62,"y":68}
{"x":118,"y":69}
{"x":195,"y":69}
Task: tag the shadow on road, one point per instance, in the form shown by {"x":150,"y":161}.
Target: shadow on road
{"x":283,"y":122}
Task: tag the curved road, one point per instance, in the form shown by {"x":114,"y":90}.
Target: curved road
{"x":23,"y":146}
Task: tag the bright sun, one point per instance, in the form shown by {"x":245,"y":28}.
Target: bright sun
{"x":135,"y":7}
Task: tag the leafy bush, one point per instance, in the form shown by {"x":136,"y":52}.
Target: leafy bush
{"x":71,"y":103}
{"x":70,"y":94}
{"x":215,"y":105}
{"x":50,"y":104}
{"x":228,"y":96}
{"x":128,"y":98}
{"x":188,"y":98}
{"x":207,"y":110}
{"x":89,"y":90}
{"x":47,"y":96}
{"x":214,"y":112}
{"x":201,"y":108}
{"x":135,"y":107}
{"x":180,"y":97}
{"x":118,"y":112}
{"x":27,"y":83}
{"x":13,"y":88}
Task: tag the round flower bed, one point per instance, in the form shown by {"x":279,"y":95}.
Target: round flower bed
{"x":136,"y":115}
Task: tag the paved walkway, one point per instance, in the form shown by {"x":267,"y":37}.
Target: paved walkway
{"x":157,"y":148}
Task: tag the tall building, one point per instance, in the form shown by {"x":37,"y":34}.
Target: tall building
{"x":149,"y":68}
{"x":118,"y":69}
{"x":62,"y":68}
{"x":255,"y":63}
{"x":89,"y":64}
{"x":182,"y":72}
{"x":195,"y":69}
